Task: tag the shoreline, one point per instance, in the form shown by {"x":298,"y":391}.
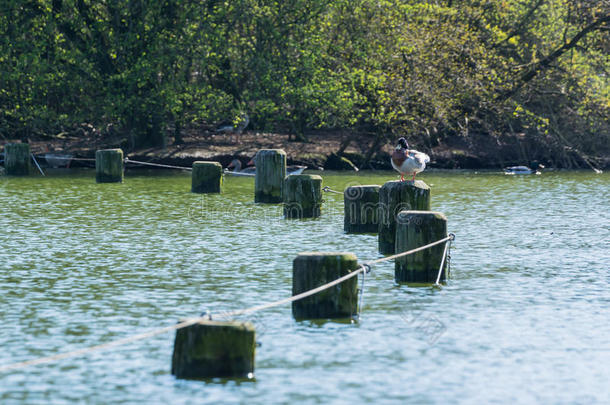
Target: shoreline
{"x":319,"y":153}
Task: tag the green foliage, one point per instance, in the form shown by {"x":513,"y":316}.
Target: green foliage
{"x":434,"y":70}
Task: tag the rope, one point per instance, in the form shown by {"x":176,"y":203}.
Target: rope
{"x":329,"y":190}
{"x":408,"y":252}
{"x":37,"y":165}
{"x":367,"y":269}
{"x":238,"y":174}
{"x":127,"y":160}
{"x":440,"y":269}
{"x":67,"y":158}
{"x":364,"y":268}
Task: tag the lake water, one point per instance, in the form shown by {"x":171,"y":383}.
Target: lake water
{"x":524,"y":318}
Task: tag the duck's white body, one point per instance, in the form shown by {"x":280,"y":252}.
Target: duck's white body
{"x":409,"y":162}
{"x":520,"y":170}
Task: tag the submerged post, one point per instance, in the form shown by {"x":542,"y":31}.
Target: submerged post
{"x":361,"y":209}
{"x":211,"y":349}
{"x":109,"y":166}
{"x":415,"y":229}
{"x":313,"y":269}
{"x":396,"y":196}
{"x":206,"y":177}
{"x":270,"y":175}
{"x":302,"y":196}
{"x":17,"y":159}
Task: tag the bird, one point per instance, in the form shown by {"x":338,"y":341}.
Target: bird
{"x":237,"y":168}
{"x":236,"y":129}
{"x":408,"y":161}
{"x":524,"y":169}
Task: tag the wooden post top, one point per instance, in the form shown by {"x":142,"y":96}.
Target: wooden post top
{"x":343,"y":255}
{"x":412,"y":213}
{"x":400,"y":184}
{"x":206,"y":162}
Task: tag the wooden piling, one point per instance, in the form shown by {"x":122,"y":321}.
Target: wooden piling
{"x":415,"y":229}
{"x":206,"y":177}
{"x":17,"y":159}
{"x":302,"y":196}
{"x":313,"y":269}
{"x":109,"y":166}
{"x":361,"y":204}
{"x":211,"y":349}
{"x":270,"y":175}
{"x":396,"y":196}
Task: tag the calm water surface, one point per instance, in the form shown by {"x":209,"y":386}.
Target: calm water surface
{"x":524,"y":318}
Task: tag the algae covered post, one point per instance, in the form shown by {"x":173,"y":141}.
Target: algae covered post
{"x":17,"y":159}
{"x":414,"y":229}
{"x":109,"y":166}
{"x":209,"y":349}
{"x":313,"y":269}
{"x":206,"y":177}
{"x":361,"y":205}
{"x":302,"y":196}
{"x":396,"y":196}
{"x":270,"y":175}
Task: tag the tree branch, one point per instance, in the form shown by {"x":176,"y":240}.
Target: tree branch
{"x":544,"y":63}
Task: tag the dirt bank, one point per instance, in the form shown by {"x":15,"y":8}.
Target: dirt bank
{"x":484,"y":153}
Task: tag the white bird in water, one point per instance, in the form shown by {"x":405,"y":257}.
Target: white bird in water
{"x":407,"y":161}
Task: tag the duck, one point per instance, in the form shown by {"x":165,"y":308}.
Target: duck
{"x":408,"y":161}
{"x":524,"y":169}
{"x":236,"y":165}
{"x":250,"y":170}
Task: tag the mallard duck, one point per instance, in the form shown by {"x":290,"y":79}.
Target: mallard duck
{"x":407,"y":161}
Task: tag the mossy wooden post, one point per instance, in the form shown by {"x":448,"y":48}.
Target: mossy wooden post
{"x":206,"y":177}
{"x":415,"y":229}
{"x":302,"y":196}
{"x":17,"y":159}
{"x":109,"y":166}
{"x":313,"y":269}
{"x":361,"y":209}
{"x":211,"y":349}
{"x":270,"y":175}
{"x":396,"y":196}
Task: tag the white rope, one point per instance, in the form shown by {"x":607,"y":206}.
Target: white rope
{"x":127,"y":160}
{"x":409,"y":252}
{"x":37,"y":165}
{"x":238,"y":174}
{"x":367,"y":270}
{"x":67,"y":158}
{"x":191,"y":321}
{"x":440,"y":269}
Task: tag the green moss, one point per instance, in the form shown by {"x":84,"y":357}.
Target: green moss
{"x":109,"y":166}
{"x":206,"y":177}
{"x":396,"y":196}
{"x":17,"y":159}
{"x":270,"y":174}
{"x":214,"y":349}
{"x":313,"y":269}
{"x":415,"y":229}
{"x":302,"y":196}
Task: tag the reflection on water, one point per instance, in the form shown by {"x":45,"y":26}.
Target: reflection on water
{"x":523,"y":319}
